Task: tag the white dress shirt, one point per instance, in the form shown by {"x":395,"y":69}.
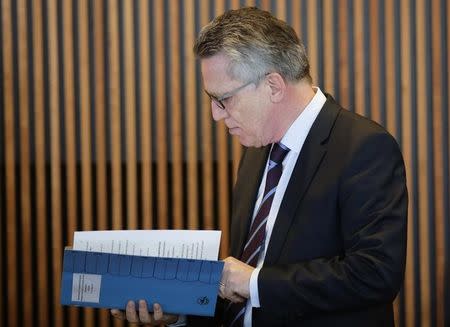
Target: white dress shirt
{"x":293,"y":139}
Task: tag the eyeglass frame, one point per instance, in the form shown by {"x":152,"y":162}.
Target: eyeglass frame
{"x":218,"y":100}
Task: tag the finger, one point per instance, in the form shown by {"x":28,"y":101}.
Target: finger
{"x":131,"y":312}
{"x":118,"y":314}
{"x":221,"y":290}
{"x":235,"y":298}
{"x":229,"y":294}
{"x":157,"y":312}
{"x":144,"y":315}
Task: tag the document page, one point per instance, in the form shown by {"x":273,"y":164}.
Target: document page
{"x":187,"y":244}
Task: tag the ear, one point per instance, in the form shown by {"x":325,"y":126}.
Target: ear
{"x":277,"y":87}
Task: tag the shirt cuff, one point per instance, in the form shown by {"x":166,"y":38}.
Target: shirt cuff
{"x":254,"y":294}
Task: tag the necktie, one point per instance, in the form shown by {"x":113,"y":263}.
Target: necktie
{"x":234,"y":315}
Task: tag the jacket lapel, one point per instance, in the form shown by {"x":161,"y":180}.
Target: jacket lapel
{"x":308,"y":162}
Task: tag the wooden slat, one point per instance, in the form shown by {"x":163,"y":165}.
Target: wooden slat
{"x":69,"y":109}
{"x":344,"y":65}
{"x":25,"y":201}
{"x":265,"y":5}
{"x":43,"y":286}
{"x":422,"y":119}
{"x":114,"y":109}
{"x":313,"y":46}
{"x":85,"y":130}
{"x":438,"y":168}
{"x":391,"y":47}
{"x":206,"y":144}
{"x":448,"y":92}
{"x":161,"y":119}
{"x":447,"y":283}
{"x":98,"y":65}
{"x":220,"y":8}
{"x":248,"y":3}
{"x":328,"y":39}
{"x":297,"y":17}
{"x":3,"y":217}
{"x":177,"y":132}
{"x":409,"y":287}
{"x":146,"y":141}
{"x":10,"y":171}
{"x":130,"y":114}
{"x":70,"y":136}
{"x":85,"y":110}
{"x":100,"y":103}
{"x":55,"y":156}
{"x":374,"y":65}
{"x":235,"y":4}
{"x":281,"y":9}
{"x":359,"y":57}
{"x":191,"y":117}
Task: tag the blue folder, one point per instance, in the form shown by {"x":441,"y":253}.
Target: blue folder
{"x":104,"y":280}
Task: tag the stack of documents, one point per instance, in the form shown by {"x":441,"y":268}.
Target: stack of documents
{"x":176,"y":268}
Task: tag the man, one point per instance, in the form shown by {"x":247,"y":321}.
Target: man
{"x":318,"y":230}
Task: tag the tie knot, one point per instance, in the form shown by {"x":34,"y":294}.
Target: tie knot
{"x":279,"y":151}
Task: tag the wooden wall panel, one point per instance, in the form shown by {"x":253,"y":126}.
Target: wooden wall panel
{"x":104,"y":125}
{"x":24,"y":159}
{"x":145,"y":121}
{"x":438,"y":167}
{"x":54,"y":101}
{"x":410,"y":284}
{"x":129,"y":73}
{"x":191,"y":123}
{"x":176,"y":136}
{"x":161,"y":115}
{"x":113,"y":98}
{"x":42,"y":210}
{"x":423,"y":163}
{"x":11,"y":275}
{"x":208,"y":193}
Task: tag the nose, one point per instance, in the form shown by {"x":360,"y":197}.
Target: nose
{"x":218,"y":113}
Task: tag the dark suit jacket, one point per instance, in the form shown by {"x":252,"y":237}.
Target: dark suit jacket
{"x":336,"y":256}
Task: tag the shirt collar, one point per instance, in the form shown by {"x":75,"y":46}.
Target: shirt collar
{"x":301,"y":126}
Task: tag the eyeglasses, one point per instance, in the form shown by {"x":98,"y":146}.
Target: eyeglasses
{"x":219,"y":100}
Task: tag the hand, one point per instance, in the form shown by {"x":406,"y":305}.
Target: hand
{"x":235,"y":283}
{"x":145,"y":317}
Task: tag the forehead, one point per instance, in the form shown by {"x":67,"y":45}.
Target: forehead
{"x":215,"y":64}
{"x":214,"y":73}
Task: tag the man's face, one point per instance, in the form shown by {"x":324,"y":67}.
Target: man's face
{"x":246,"y":112}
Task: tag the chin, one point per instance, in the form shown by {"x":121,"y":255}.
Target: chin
{"x":249,"y":143}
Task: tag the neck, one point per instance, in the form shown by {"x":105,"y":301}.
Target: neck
{"x":298,"y":96}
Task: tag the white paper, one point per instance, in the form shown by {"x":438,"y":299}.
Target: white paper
{"x":202,"y":245}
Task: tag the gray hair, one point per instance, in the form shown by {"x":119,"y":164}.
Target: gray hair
{"x":256,"y":43}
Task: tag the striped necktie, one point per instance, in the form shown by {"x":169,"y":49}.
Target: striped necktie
{"x":234,"y":315}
